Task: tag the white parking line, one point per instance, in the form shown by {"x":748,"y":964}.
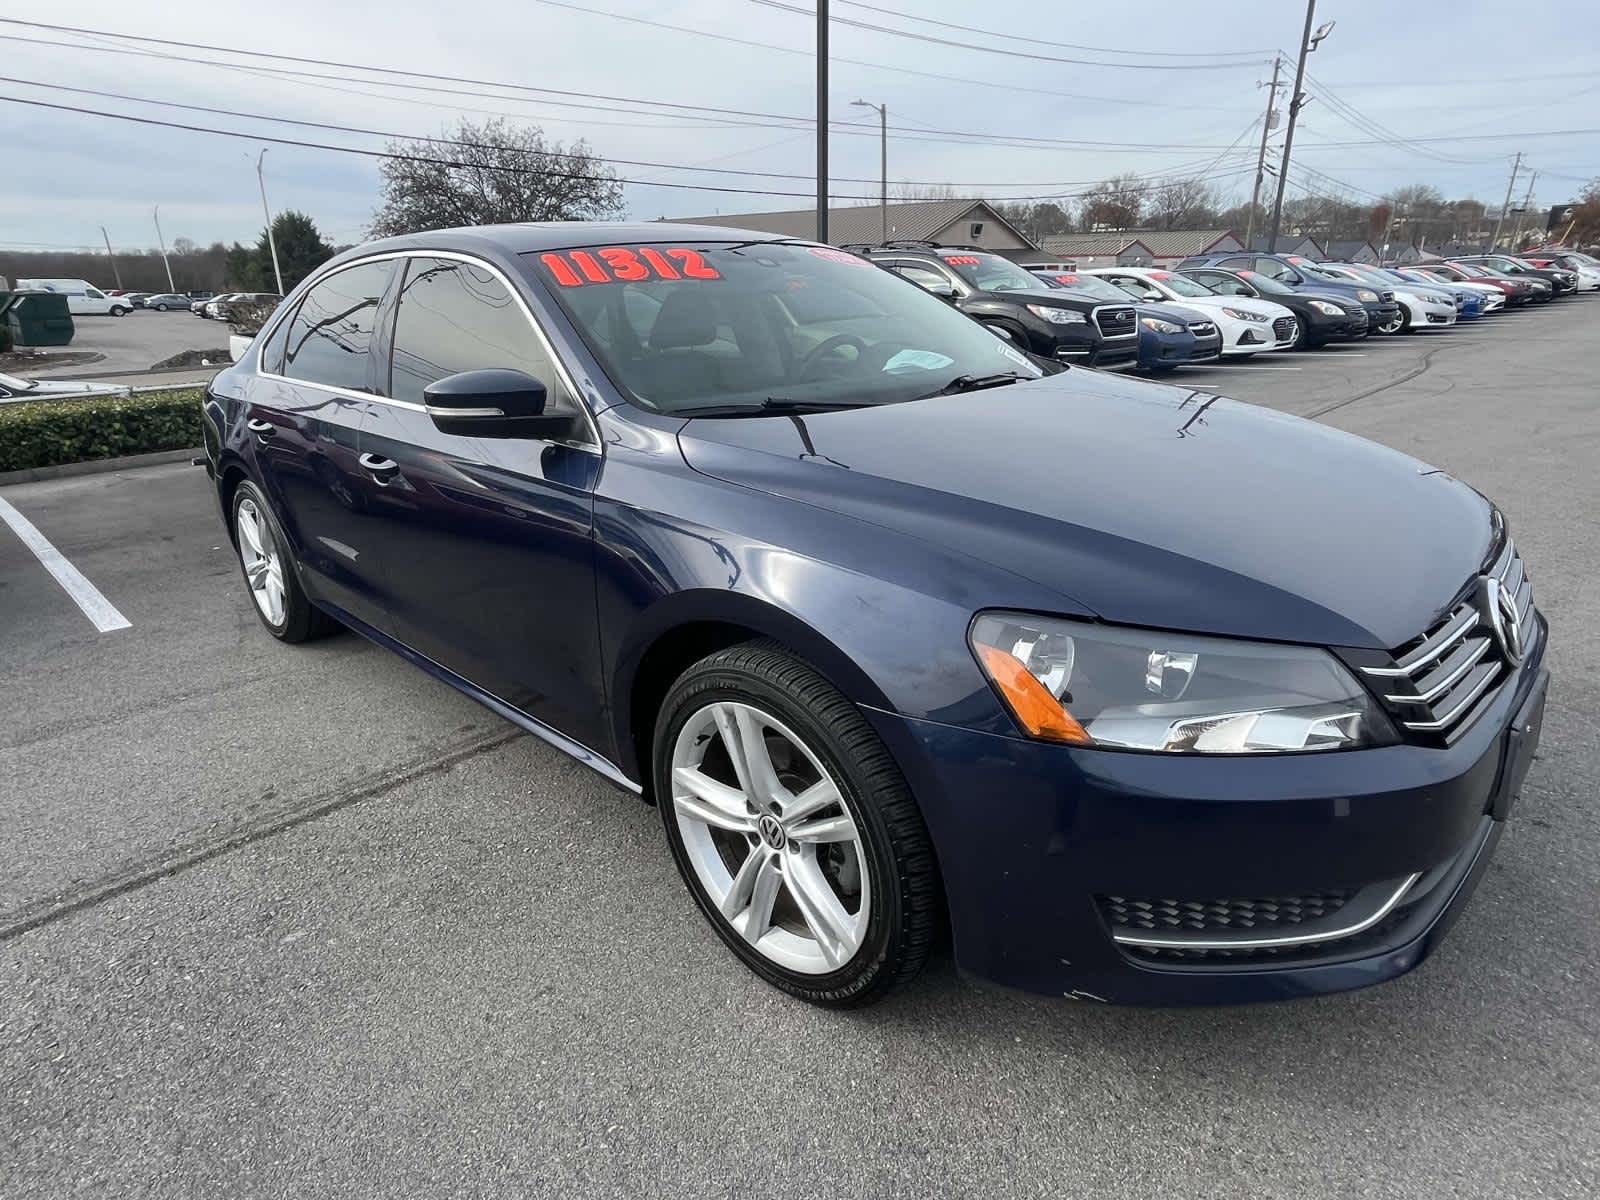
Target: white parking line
{"x":100,"y":611}
{"x":1237,"y":367}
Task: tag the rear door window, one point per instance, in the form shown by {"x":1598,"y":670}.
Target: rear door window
{"x":330,"y":338}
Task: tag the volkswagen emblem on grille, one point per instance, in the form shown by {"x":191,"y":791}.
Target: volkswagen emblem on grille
{"x":1499,"y":609}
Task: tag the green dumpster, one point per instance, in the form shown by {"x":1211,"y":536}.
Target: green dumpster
{"x":39,"y":319}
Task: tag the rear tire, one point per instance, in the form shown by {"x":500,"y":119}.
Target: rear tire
{"x":821,"y":879}
{"x":270,"y":572}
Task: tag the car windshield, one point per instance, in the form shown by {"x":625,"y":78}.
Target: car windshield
{"x":767,"y":326}
{"x":991,"y":273}
{"x":1180,"y":284}
{"x":1089,"y":285}
{"x":1266,"y":285}
{"x":1321,"y":271}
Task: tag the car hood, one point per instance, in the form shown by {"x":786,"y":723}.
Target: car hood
{"x":1142,"y":503}
{"x":1270,"y":309}
{"x":1180,"y":313}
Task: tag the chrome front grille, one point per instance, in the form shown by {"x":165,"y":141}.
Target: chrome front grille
{"x":1202,"y":329}
{"x":1441,"y":680}
{"x":1283,"y":328}
{"x":1116,"y":321}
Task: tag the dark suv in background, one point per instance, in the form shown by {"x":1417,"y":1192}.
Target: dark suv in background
{"x":1015,"y":303}
{"x":1293,"y":270}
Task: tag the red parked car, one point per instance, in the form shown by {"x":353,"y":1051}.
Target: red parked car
{"x":1518,"y":291}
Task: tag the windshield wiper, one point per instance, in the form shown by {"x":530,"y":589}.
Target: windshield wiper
{"x":976,"y":383}
{"x":776,"y":405}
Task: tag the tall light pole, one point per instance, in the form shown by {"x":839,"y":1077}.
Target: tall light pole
{"x":1261,"y":156}
{"x":822,"y":120}
{"x":115,"y":273}
{"x":1297,"y":101}
{"x":162,"y":242}
{"x":1494,"y":242}
{"x":272,"y":242}
{"x":883,"y":161}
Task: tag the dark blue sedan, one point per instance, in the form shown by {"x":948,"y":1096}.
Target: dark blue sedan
{"x":1170,"y":335}
{"x":1145,"y":695}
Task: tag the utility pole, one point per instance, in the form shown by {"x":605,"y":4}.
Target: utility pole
{"x":162,"y":242}
{"x":1516,"y":234}
{"x":1261,"y":156}
{"x":115,"y":273}
{"x":1494,"y":241}
{"x":822,"y":120}
{"x":272,"y":242}
{"x":883,"y":162}
{"x":1297,"y":101}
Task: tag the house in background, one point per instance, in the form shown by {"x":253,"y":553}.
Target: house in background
{"x":949,"y":222}
{"x":1290,"y":243}
{"x":1355,"y":252}
{"x":1401,"y":254}
{"x":1091,"y":250}
{"x":1169,"y":247}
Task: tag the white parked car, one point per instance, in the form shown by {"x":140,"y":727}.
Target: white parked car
{"x":1248,"y":326}
{"x":83,"y":298}
{"x":13,"y":389}
{"x":1420,"y":307}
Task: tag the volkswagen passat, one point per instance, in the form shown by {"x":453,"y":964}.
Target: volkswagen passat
{"x":1149,"y":696}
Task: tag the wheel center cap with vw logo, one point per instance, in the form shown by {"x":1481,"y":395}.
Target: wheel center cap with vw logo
{"x":771,"y":831}
{"x":1499,"y":609}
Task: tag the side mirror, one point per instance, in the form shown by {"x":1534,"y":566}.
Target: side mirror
{"x":496,"y":403}
{"x":1153,"y":295}
{"x":943,"y":289}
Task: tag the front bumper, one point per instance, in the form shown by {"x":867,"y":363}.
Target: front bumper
{"x":1033,"y":837}
{"x":1163,"y":351}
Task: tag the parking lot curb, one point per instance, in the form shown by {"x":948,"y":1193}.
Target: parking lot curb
{"x":98,"y":465}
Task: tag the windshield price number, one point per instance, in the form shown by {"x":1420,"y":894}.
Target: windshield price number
{"x":627,"y":264}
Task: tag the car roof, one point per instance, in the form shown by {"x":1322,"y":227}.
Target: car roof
{"x":562,"y":235}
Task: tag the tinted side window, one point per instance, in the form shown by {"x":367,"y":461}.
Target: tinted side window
{"x":922,"y":276}
{"x":454,"y":316}
{"x":272,"y":349}
{"x":332,"y":333}
{"x":1227,"y":285}
{"x":1273,"y":269}
{"x":1235,"y":264}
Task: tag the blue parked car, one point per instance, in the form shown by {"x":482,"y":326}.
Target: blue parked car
{"x":1170,"y":335}
{"x":1469,"y":304}
{"x":1150,"y":696}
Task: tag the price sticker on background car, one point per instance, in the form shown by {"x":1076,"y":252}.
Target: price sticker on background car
{"x":626,"y":264}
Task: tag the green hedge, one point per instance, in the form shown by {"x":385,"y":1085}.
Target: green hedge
{"x":47,"y":433}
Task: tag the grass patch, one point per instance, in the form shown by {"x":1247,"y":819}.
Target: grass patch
{"x":49,"y":433}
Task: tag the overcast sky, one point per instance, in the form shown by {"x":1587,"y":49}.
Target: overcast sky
{"x":1415,"y":70}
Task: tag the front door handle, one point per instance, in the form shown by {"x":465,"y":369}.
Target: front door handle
{"x":380,"y":468}
{"x":262,"y":429}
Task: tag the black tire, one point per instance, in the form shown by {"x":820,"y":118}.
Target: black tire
{"x":1405,"y":320}
{"x":907,"y":897}
{"x":160,"y":307}
{"x":118,"y":311}
{"x":302,"y":621}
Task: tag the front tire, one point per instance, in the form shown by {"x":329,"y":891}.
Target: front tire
{"x":118,"y":311}
{"x":793,"y":827}
{"x":269,"y":571}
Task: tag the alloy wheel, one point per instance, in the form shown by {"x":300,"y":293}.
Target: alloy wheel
{"x":770,"y":838}
{"x":263,"y":565}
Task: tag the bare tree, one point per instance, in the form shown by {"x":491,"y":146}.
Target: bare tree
{"x":492,"y":173}
{"x":920,"y":191}
{"x":1116,"y":203}
{"x":1182,"y":204}
{"x":1036,"y":220}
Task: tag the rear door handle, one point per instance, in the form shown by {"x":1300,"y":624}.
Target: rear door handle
{"x":260,"y":428}
{"x":380,"y":468}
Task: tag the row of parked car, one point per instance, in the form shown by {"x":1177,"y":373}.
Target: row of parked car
{"x":1223,"y":305}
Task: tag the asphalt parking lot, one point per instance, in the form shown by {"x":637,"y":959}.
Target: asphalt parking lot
{"x":136,"y":342}
{"x":303,"y":921}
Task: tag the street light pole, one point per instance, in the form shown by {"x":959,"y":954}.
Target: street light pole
{"x":883,"y":162}
{"x":1261,"y":156}
{"x":162,"y":242}
{"x":115,"y":273}
{"x":272,"y":242}
{"x":822,"y":120}
{"x":1297,"y":101}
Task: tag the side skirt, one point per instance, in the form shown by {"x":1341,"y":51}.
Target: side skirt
{"x":589,"y":758}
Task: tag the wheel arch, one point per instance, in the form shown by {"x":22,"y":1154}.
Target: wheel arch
{"x":687,"y":627}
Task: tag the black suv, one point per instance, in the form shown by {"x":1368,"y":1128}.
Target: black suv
{"x":1015,"y":303}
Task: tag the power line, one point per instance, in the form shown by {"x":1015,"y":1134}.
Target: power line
{"x":970,"y":46}
{"x":1013,"y":37}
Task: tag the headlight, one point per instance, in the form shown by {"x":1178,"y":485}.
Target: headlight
{"x":1238,"y":314}
{"x":1058,"y":316}
{"x":1134,"y":689}
{"x":1157,"y":325}
{"x":1367,"y":297}
{"x":1322,"y":306}
{"x":1440,"y":300}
